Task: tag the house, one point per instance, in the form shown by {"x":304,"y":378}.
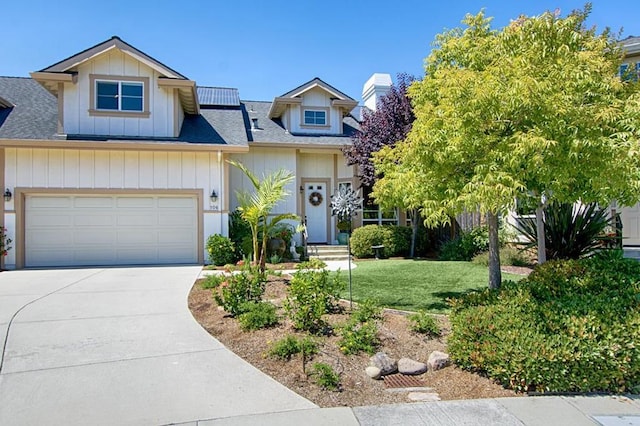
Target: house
{"x":110,"y":157}
{"x":630,"y":216}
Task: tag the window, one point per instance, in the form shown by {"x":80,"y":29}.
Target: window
{"x":372,"y":214}
{"x":629,"y":74}
{"x":119,"y":96}
{"x":315,"y":118}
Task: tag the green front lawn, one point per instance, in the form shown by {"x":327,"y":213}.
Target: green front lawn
{"x":416,"y":284}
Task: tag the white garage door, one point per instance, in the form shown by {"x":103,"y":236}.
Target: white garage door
{"x":85,"y":230}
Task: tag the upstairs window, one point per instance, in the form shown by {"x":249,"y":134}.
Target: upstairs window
{"x":315,"y":117}
{"x":630,"y":72}
{"x":120,"y":96}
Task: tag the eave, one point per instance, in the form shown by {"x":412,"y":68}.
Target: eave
{"x":123,"y":145}
{"x":186,"y":91}
{"x":280,"y":104}
{"x":50,"y":80}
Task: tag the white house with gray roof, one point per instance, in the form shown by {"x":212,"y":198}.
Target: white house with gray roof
{"x":110,"y":157}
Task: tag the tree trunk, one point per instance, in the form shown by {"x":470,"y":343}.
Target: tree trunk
{"x":542,"y":248}
{"x":415,"y":217}
{"x":495,"y":276}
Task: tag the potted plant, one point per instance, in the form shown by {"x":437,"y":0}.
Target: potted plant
{"x":279,"y":238}
{"x":344,"y":227}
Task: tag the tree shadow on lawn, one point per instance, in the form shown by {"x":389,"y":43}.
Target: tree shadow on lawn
{"x":442,"y":305}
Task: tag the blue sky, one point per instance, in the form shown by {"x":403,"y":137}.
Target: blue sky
{"x":265,"y":48}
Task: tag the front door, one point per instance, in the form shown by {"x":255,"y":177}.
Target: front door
{"x":316,"y":207}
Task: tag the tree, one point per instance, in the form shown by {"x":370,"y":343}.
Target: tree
{"x":388,"y":124}
{"x":255,"y":207}
{"x":535,"y":108}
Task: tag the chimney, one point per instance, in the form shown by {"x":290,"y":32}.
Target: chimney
{"x":376,"y":87}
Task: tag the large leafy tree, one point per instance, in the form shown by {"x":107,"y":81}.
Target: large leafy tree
{"x":534,"y":108}
{"x":256,"y":206}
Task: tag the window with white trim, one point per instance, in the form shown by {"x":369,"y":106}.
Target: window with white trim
{"x":119,"y":96}
{"x":314,"y":117}
{"x":373,"y":214}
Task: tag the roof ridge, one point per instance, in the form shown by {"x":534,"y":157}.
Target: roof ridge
{"x":14,"y":76}
{"x":217,"y":87}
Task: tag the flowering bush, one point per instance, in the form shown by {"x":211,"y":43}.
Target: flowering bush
{"x":221,"y":250}
{"x":5,"y":242}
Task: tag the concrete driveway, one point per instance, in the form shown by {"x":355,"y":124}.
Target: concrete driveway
{"x":119,"y":346}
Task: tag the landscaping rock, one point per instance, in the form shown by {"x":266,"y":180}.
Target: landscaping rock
{"x":384,"y":363}
{"x":410,"y":367}
{"x":423,"y":396}
{"x":374,"y":372}
{"x":437,"y":360}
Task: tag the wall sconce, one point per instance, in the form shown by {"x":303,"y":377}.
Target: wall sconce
{"x":301,"y":189}
{"x":214,"y":196}
{"x":7,"y":195}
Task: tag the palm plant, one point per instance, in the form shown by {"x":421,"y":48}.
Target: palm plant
{"x":255,"y":207}
{"x":571,"y":232}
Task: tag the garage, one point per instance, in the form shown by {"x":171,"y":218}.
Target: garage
{"x":110,"y":229}
{"x":631,"y":225}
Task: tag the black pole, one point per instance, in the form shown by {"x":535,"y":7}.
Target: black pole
{"x":349,"y":256}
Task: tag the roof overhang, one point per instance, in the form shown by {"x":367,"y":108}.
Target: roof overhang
{"x":5,"y":103}
{"x":280,"y":104}
{"x":124,"y":145}
{"x":50,"y":80}
{"x":345,"y":105}
{"x":186,"y":91}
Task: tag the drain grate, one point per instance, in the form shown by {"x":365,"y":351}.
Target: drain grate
{"x":402,"y":381}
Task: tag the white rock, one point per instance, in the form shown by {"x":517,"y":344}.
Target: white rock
{"x":384,"y":363}
{"x":373,"y":372}
{"x":437,"y":360}
{"x":410,"y":367}
{"x":423,"y":396}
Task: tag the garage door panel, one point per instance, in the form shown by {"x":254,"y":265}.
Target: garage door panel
{"x":97,"y":220}
{"x":85,"y":230}
{"x":50,"y":202}
{"x":93,"y":202}
{"x":137,"y":202}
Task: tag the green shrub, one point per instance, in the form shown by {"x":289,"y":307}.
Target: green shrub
{"x":358,"y":337}
{"x":240,"y":234}
{"x":275,"y":259}
{"x":367,"y":310}
{"x":5,"y":242}
{"x":508,"y":256}
{"x":395,"y":239}
{"x":470,"y":243}
{"x":221,"y":250}
{"x":237,"y":289}
{"x":325,"y":377}
{"x":288,"y":346}
{"x":312,"y":263}
{"x":257,"y":315}
{"x":312,"y":294}
{"x":571,"y":232}
{"x":571,"y":326}
{"x":212,"y":281}
{"x":422,"y":322}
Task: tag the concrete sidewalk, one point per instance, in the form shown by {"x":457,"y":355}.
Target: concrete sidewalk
{"x":119,"y":346}
{"x":529,"y":411}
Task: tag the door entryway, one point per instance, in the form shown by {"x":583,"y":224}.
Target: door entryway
{"x":316,"y":211}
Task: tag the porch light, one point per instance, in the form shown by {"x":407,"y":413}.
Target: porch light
{"x":214,"y":196}
{"x":7,"y":195}
{"x":301,"y":189}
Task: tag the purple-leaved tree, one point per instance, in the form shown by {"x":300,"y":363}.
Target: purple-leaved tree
{"x":388,"y":124}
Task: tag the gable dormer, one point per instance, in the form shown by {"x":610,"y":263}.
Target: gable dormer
{"x":114,"y":89}
{"x":313,"y":108}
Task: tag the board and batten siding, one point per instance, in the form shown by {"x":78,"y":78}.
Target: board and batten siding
{"x":262,"y":162}
{"x":113,"y":170}
{"x":77,"y":120}
{"x":320,"y":99}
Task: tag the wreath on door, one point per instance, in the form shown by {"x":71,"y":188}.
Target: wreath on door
{"x":315,"y":198}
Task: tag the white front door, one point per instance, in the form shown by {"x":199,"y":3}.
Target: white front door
{"x":630,"y":225}
{"x":316,"y":207}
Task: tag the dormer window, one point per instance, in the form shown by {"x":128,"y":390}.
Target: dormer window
{"x":315,"y":117}
{"x":119,"y":96}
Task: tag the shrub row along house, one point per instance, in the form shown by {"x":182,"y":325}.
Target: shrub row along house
{"x":110,"y":157}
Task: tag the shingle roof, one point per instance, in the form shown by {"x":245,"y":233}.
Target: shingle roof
{"x":218,"y":96}
{"x":35,"y":110}
{"x":273,"y":131}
